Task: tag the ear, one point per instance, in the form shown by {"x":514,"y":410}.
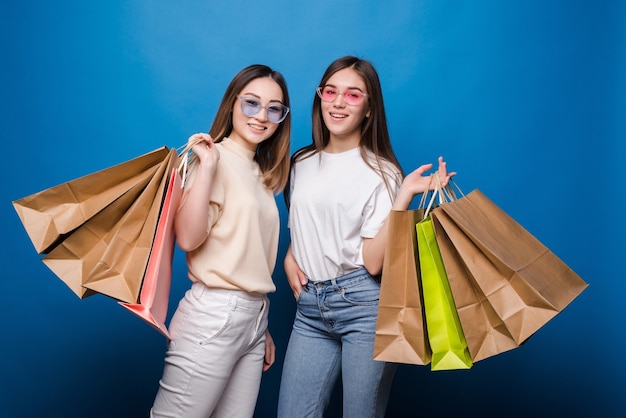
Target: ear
{"x":369,"y":112}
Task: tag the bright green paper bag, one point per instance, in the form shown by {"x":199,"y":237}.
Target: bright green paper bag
{"x":447,"y":341}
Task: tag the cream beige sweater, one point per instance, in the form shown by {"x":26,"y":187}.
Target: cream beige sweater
{"x":242,"y":243}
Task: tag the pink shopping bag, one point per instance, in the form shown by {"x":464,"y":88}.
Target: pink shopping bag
{"x":155,"y":291}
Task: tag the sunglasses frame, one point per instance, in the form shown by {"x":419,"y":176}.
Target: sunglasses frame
{"x":245,"y":105}
{"x":342,"y":94}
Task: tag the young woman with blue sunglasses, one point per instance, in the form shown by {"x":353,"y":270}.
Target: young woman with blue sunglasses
{"x":227,"y":223}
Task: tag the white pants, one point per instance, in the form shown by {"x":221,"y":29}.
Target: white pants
{"x":214,"y":362}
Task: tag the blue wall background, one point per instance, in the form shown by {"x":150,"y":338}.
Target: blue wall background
{"x":524,"y":98}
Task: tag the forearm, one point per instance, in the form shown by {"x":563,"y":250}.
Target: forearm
{"x":295,"y":276}
{"x":404,"y":197}
{"x":374,"y":248}
{"x":374,"y":251}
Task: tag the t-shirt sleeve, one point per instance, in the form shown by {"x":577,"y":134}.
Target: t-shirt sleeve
{"x":376,"y":211}
{"x":379,"y":204}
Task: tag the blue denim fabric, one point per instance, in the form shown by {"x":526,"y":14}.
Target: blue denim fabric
{"x":333,"y":333}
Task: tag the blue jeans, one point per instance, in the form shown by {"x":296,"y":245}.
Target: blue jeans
{"x":333,"y":333}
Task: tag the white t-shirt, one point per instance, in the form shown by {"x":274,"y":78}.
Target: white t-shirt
{"x":336,"y":201}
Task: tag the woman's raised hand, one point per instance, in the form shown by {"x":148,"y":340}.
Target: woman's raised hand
{"x":418,"y":182}
{"x":205,"y":149}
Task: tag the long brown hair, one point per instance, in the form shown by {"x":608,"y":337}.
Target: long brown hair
{"x":374,"y":132}
{"x":272,"y":155}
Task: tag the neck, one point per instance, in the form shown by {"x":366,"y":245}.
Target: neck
{"x":340,"y":144}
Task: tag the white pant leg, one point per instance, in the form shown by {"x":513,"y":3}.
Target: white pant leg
{"x":214,"y":361}
{"x":240,"y":395}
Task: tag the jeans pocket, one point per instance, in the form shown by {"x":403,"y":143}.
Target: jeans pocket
{"x":302,"y":290}
{"x":201,"y":316}
{"x":197,"y":290}
{"x":214,"y":325}
{"x":362,"y":292}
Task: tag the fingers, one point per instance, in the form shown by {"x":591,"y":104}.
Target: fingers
{"x":270,"y":357}
{"x":200,"y":137}
{"x":302,"y":278}
{"x":204,"y":148}
{"x":444,"y":176}
{"x":270,"y":352}
{"x":442,"y":171}
{"x":442,"y":167}
{"x":295,"y":276}
{"x":296,"y":287}
{"x":422,"y":169}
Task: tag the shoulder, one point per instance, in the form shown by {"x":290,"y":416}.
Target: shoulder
{"x":383,"y":167}
{"x":305,"y":159}
{"x":303,"y":154}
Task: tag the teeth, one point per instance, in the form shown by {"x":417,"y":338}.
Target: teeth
{"x":257,"y":127}
{"x":334,"y":115}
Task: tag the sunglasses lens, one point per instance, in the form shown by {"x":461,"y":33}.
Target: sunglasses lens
{"x":276,"y":113}
{"x":353,"y":97}
{"x":350,"y":96}
{"x":250,"y":107}
{"x":328,"y":94}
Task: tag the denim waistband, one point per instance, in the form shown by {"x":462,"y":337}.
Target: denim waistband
{"x":342,"y":280}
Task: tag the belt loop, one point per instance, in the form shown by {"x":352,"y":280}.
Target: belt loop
{"x":233,"y":302}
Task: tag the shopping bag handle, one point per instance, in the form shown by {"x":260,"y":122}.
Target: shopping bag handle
{"x":451,"y":191}
{"x":187,"y":157}
{"x":436,"y":192}
{"x":444,"y":194}
{"x":427,"y":192}
{"x":433,"y":195}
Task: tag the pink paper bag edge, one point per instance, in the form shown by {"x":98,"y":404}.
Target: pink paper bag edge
{"x":155,"y":291}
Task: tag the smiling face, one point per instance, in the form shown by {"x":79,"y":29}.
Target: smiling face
{"x":250,"y":131}
{"x":343,"y":120}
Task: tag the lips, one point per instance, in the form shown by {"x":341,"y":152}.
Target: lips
{"x":257,"y":127}
{"x":337,"y":115}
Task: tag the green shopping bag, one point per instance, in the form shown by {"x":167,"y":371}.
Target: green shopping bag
{"x":447,"y":341}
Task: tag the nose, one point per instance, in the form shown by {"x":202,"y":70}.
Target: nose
{"x":339,"y":100}
{"x":262,"y":114}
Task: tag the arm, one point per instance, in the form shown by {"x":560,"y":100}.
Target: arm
{"x":296,"y":278}
{"x":193,"y":210}
{"x":414,"y":183}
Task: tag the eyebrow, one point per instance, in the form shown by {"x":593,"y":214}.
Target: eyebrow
{"x":259,"y":97}
{"x":347,"y":88}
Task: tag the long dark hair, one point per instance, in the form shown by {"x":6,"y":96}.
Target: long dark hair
{"x":272,"y":155}
{"x":374,"y":132}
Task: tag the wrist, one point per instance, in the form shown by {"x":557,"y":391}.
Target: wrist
{"x":402,"y":201}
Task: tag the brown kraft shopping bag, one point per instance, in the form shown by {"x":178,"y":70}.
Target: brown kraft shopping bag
{"x":76,"y":256}
{"x":400,"y":330}
{"x":119,"y":272}
{"x":50,"y":214}
{"x":485,"y":333}
{"x":523,"y":283}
